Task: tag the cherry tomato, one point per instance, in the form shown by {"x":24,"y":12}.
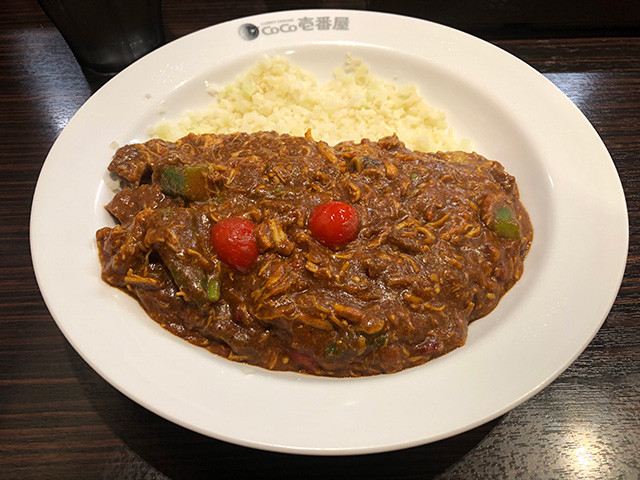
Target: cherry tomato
{"x":334,"y":224}
{"x":234,"y":241}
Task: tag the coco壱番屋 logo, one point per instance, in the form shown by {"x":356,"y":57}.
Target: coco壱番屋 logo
{"x":249,"y":31}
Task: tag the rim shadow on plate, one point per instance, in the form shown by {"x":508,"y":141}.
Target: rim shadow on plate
{"x":180,"y":453}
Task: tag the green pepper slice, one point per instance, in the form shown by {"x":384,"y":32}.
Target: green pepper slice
{"x":190,"y":182}
{"x":508,"y":230}
{"x":213,"y":290}
{"x":506,"y":225}
{"x":193,"y":281}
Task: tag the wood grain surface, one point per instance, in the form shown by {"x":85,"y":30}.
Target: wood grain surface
{"x":60,"y":420}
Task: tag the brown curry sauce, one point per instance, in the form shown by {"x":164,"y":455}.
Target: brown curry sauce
{"x":442,"y":237}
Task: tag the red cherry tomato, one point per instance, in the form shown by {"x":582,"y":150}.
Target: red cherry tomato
{"x":334,"y":224}
{"x":234,"y":241}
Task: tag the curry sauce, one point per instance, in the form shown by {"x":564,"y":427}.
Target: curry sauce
{"x":439,"y":239}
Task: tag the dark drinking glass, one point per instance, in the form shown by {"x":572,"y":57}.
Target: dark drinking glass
{"x":107,"y":35}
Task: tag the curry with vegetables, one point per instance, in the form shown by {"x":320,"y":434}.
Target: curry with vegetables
{"x":291,"y":254}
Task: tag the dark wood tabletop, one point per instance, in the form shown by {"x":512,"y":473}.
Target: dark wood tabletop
{"x":61,"y":420}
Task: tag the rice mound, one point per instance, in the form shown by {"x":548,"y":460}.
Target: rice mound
{"x":278,"y":95}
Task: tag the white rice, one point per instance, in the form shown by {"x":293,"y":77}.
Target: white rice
{"x":278,"y":95}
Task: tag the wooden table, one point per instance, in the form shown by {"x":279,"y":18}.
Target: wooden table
{"x":60,"y":420}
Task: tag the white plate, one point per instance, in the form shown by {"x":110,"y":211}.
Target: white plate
{"x":512,"y":114}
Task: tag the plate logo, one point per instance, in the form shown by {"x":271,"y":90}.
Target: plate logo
{"x":249,"y":31}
